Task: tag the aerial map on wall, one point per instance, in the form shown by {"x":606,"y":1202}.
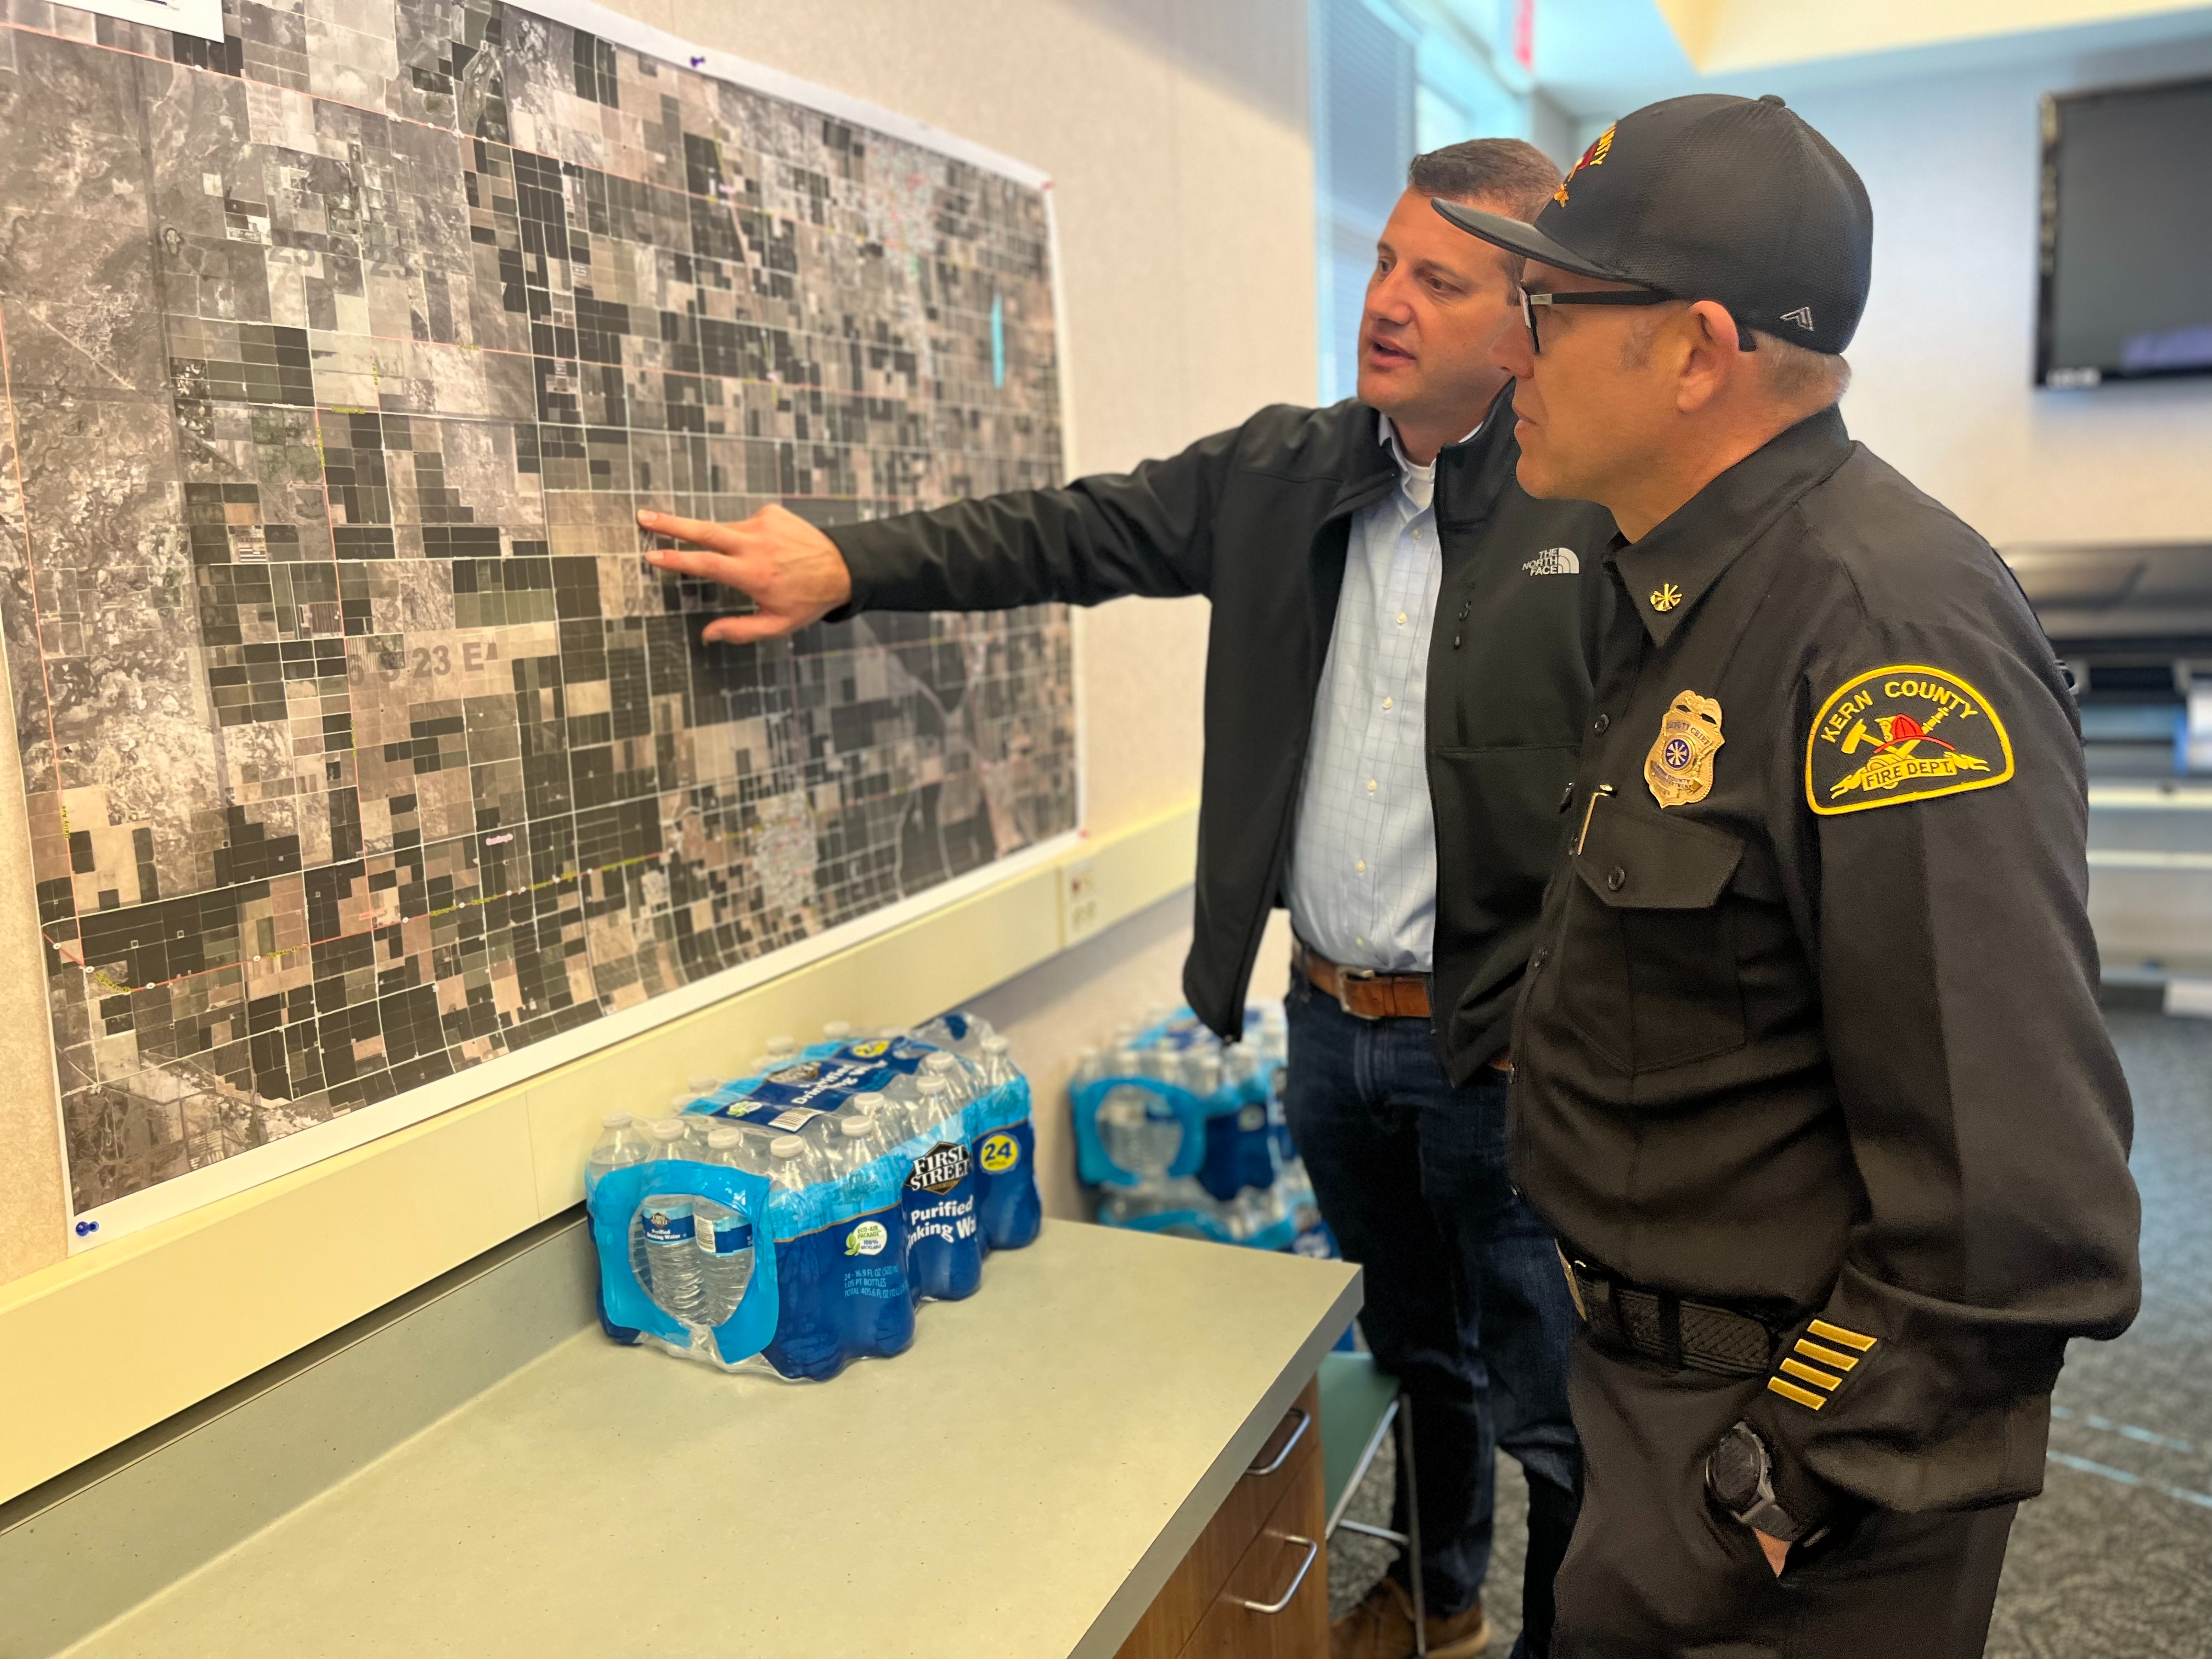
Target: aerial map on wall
{"x":362,"y":746}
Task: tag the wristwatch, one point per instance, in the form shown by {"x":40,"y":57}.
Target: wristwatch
{"x":1739,"y":1474}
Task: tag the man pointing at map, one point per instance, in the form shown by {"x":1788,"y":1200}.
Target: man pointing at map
{"x":1396,"y":667}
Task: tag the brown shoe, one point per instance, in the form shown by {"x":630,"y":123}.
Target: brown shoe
{"x":1382,"y":1627}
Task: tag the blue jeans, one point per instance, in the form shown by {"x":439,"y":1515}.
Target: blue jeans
{"x":1466,"y":1305}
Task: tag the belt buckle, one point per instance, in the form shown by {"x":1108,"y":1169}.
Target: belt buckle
{"x":1345,"y":976}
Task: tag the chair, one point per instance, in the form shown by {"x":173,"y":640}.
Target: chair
{"x":1359,"y":1405}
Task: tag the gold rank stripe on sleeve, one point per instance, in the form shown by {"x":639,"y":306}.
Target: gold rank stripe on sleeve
{"x":1827,"y":1333}
{"x":1838,"y":1349}
{"x":1813,"y":1373}
{"x":1829,"y":1356}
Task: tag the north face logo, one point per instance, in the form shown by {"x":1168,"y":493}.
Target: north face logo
{"x":1554,"y":562}
{"x":1802,"y":316}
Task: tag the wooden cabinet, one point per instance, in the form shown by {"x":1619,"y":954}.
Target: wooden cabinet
{"x":1255,"y":1584}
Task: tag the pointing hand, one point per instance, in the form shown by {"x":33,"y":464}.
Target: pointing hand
{"x":792,"y":571}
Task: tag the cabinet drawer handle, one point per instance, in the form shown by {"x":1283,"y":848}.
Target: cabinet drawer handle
{"x":1305,"y":1567}
{"x":1298,"y":1434}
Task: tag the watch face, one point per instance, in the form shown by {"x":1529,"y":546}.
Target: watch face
{"x":1735,"y":1467}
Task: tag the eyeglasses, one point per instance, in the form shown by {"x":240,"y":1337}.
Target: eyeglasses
{"x":1531,"y":298}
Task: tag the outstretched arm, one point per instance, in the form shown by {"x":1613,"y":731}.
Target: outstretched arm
{"x":1149,"y":531}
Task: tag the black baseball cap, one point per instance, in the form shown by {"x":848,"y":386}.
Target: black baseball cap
{"x":1711,"y":198}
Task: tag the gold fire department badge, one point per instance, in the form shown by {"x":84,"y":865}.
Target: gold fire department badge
{"x":1679,"y":768}
{"x":1903,"y":733}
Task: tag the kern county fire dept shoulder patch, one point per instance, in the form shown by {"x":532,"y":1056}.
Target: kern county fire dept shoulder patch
{"x":1903,"y":733}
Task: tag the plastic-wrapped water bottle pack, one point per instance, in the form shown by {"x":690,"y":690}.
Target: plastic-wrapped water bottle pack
{"x":1184,"y":1134}
{"x":792,"y":1219}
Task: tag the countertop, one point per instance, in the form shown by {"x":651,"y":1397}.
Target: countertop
{"x":1020,"y":1482}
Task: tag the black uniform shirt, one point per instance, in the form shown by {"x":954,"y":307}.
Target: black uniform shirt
{"x":1812,"y":1021}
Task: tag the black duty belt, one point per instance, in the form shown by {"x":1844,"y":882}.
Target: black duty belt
{"x":1674,"y":1330}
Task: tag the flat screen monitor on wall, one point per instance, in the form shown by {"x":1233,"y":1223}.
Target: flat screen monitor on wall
{"x":2127,"y":235}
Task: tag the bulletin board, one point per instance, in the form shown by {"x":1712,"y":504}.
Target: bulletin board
{"x":368,"y":765}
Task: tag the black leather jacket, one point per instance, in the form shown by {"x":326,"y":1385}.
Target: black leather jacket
{"x":1257,"y":518}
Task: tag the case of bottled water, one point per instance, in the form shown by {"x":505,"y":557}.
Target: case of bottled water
{"x":792,"y":1217}
{"x":1169,"y":1101}
{"x":1185,"y":1135}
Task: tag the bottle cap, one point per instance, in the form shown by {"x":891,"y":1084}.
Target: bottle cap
{"x":785,"y":1146}
{"x":703,"y":1083}
{"x":854,"y":1128}
{"x":616,"y":1120}
{"x":940,"y":1062}
{"x":723,"y":1140}
{"x":783,"y":1045}
{"x":867,"y":1102}
{"x":837,"y":1029}
{"x":931,"y":1084}
{"x":667,"y":1128}
{"x":994,"y":1044}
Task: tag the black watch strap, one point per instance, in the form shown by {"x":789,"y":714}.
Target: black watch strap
{"x":1740,"y":1473}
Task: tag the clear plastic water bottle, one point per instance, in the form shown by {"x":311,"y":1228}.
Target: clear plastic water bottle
{"x":863,"y":1142}
{"x":1198,"y":1215}
{"x":889,"y":1121}
{"x":671,"y":1252}
{"x":954,"y":1073}
{"x":998,"y":1067}
{"x":837,"y":1031}
{"x":788,"y":1165}
{"x":933,"y":1107}
{"x":1255,"y":1210}
{"x":1137,"y":1127}
{"x":692,"y":1140}
{"x":1090,"y":1067}
{"x":724,"y":1235}
{"x":621,"y":1144}
{"x":1271,"y":1040}
{"x":1201,"y":1073}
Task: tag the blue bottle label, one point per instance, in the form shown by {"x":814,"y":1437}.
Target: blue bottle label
{"x":668,"y":1222}
{"x":940,"y":1203}
{"x":726,"y":1235}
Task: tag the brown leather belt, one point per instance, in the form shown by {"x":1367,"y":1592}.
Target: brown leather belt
{"x":1362,"y":991}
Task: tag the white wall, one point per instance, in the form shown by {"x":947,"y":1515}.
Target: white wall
{"x":1944,"y":359}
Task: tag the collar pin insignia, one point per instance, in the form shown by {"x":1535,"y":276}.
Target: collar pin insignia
{"x":1666,"y":597}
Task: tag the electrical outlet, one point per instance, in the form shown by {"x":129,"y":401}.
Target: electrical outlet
{"x":1079,"y":902}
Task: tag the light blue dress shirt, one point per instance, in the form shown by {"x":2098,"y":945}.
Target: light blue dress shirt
{"x":1362,"y":886}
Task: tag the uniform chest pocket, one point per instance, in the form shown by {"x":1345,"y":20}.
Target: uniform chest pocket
{"x":1648,"y":974}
